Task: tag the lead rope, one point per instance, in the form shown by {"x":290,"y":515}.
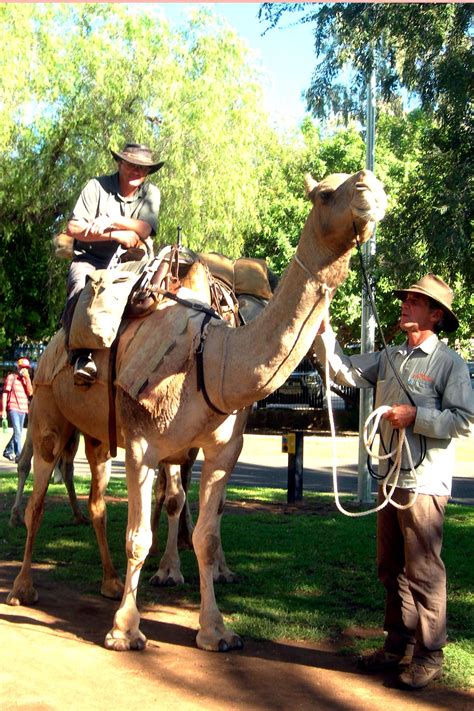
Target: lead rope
{"x":368,"y":441}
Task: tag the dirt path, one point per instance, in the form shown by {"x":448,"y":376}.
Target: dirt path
{"x":51,"y":657}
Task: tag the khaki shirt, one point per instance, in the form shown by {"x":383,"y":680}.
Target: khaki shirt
{"x":439,"y":383}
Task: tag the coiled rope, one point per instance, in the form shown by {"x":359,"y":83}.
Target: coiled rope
{"x":369,"y":436}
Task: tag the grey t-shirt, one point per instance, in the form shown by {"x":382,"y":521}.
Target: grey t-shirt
{"x":101,"y":196}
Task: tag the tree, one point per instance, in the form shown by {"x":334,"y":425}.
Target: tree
{"x":429,"y":226}
{"x":90,"y":77}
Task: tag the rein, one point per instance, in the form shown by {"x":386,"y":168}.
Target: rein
{"x":422,"y":438}
{"x":395,"y":464}
{"x":368,"y":441}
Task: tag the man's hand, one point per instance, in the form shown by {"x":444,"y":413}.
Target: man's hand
{"x":401,"y":416}
{"x":98,"y":226}
{"x":325,"y":324}
{"x":127,"y":238}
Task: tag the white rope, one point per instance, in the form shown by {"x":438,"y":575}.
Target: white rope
{"x":369,"y":437}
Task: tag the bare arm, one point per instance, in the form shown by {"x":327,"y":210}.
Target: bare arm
{"x":102,"y":229}
{"x":25,"y":377}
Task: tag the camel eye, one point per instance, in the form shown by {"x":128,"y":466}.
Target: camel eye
{"x":326,"y":195}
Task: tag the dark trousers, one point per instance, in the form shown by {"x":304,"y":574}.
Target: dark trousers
{"x":409,"y":566}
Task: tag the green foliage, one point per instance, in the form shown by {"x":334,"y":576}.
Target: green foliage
{"x":423,"y":156}
{"x":90,"y":77}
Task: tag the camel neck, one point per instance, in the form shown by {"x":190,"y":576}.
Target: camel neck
{"x":256,"y":359}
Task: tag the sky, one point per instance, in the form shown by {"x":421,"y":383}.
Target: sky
{"x":286,"y":55}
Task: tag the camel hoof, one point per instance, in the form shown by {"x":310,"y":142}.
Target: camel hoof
{"x":80,"y":519}
{"x":222,"y":644}
{"x":112,"y":589}
{"x":169,"y":581}
{"x":228,"y":577}
{"x":25,"y":597}
{"x":125,"y":644}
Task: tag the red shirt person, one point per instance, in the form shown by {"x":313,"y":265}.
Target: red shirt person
{"x":17,"y":391}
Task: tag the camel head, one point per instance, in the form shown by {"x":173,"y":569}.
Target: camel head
{"x":345,"y":206}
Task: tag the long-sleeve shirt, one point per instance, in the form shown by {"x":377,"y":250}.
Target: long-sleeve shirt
{"x":439,"y":384}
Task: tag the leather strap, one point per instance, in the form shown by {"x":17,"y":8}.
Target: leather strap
{"x":201,"y":385}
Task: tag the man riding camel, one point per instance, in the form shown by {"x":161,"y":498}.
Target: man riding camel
{"x":113,"y":213}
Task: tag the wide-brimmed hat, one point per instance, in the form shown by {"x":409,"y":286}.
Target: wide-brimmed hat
{"x":434,"y":287}
{"x":138,"y":154}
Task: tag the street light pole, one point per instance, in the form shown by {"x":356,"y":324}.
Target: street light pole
{"x":367,"y":343}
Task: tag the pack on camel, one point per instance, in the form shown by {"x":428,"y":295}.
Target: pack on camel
{"x":171,"y":488}
{"x":161,"y":412}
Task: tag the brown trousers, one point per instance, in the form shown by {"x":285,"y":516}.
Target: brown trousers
{"x":409,"y":566}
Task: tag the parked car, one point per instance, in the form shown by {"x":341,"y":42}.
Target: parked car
{"x":303,"y":389}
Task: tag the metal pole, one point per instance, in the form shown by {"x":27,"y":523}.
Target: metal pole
{"x":368,"y":321}
{"x":295,"y":442}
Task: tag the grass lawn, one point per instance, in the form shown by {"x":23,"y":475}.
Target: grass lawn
{"x":305,"y":573}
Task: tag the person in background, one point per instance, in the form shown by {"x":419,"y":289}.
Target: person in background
{"x":114,"y":212}
{"x":409,"y":540}
{"x":17,"y":391}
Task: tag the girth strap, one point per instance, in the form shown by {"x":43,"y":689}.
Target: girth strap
{"x":201,"y":385}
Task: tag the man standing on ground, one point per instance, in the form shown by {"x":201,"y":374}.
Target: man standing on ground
{"x":113,"y":211}
{"x":17,"y":391}
{"x":435,"y":405}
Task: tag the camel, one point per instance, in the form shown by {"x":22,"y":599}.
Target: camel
{"x":167,"y":411}
{"x":173,"y":497}
{"x":171,"y":489}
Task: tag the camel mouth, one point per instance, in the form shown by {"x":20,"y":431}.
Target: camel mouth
{"x":370,"y":201}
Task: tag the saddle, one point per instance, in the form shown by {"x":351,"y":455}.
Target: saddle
{"x":112,"y":299}
{"x":135,"y":289}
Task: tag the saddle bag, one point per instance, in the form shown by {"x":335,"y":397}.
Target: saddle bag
{"x":245,"y":275}
{"x":100,"y":307}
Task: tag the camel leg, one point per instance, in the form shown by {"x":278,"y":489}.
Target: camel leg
{"x":186,"y":525}
{"x":169,"y":569}
{"x":48,"y":442}
{"x":66,"y":468}
{"x":99,"y":460}
{"x":213,"y":635}
{"x":160,"y":495}
{"x":221,"y":573}
{"x":140,"y":460}
{"x":24,"y":468}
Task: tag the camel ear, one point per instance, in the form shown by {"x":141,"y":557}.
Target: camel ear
{"x":310,"y":185}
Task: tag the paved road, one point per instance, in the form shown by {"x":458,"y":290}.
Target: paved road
{"x":262,"y":463}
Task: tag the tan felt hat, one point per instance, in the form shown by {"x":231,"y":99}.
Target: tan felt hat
{"x":434,"y":287}
{"x":138,"y":154}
